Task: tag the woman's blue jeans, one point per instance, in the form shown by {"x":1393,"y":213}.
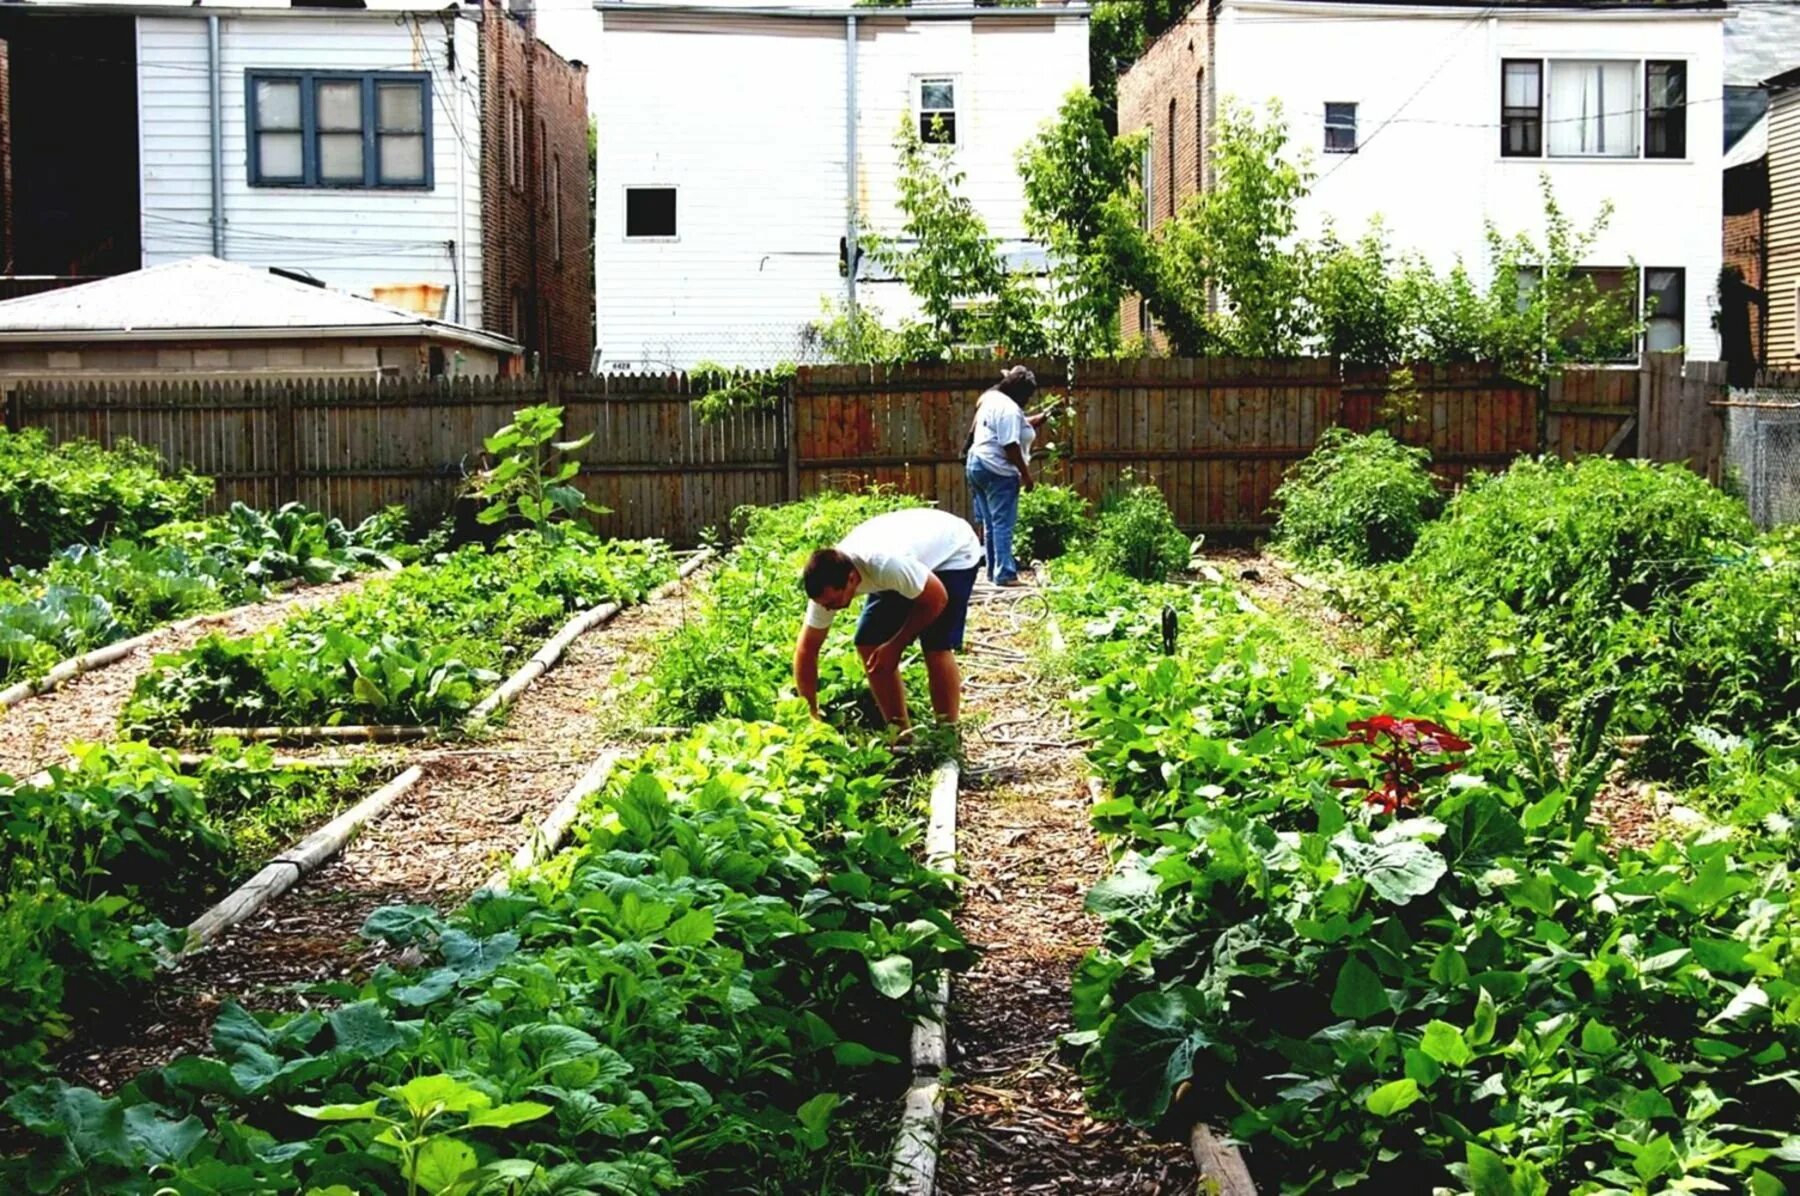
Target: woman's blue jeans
{"x":996,"y":498}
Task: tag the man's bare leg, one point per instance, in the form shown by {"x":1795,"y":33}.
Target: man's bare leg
{"x":889,"y":691}
{"x":946,"y":685}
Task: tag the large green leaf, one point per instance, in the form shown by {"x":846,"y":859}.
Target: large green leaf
{"x":1397,"y":869}
{"x":1393,"y":1097}
{"x":1358,"y":993}
{"x":893,"y":976}
{"x":446,"y":1167}
{"x":1149,"y":1049}
{"x":364,"y":1029}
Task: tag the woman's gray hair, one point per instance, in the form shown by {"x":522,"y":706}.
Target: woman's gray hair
{"x":1017,"y":384}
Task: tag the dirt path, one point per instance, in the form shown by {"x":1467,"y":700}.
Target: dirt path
{"x":36,"y":733}
{"x":474,"y":807}
{"x":1016,"y":1121}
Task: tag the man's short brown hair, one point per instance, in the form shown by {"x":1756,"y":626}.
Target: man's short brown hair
{"x":826,"y":569}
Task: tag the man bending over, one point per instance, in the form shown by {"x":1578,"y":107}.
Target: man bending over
{"x":917,"y":567}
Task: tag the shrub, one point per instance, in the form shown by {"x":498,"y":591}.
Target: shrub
{"x":1137,"y":536}
{"x":1051,"y":520}
{"x":1541,"y":577}
{"x":79,"y":492}
{"x":1357,"y":499}
{"x":1726,"y":653}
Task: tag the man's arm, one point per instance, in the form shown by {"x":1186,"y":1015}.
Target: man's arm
{"x":925,"y":608}
{"x":806,"y":664}
{"x":1017,"y":456}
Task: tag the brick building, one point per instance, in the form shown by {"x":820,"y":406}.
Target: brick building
{"x":1743,"y":299}
{"x":538,"y":284}
{"x":1165,"y":95}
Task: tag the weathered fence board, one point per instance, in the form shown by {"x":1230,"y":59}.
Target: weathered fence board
{"x":1216,"y":434}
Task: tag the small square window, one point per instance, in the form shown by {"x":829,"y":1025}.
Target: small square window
{"x":650,"y":213}
{"x":1340,"y":128}
{"x":937,"y":111}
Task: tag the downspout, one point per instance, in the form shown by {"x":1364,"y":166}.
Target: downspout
{"x":215,"y":106}
{"x":850,"y":164}
{"x":452,"y":108}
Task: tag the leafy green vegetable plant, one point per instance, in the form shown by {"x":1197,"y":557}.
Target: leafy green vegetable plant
{"x":531,"y":479}
{"x":1358,"y":500}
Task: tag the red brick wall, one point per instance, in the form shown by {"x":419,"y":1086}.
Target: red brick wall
{"x":1167,"y":89}
{"x":537,"y":280}
{"x":1746,"y":218}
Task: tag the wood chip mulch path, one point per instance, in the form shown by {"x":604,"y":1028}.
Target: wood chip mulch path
{"x":36,"y":733}
{"x":474,"y":807}
{"x":1016,"y":1121}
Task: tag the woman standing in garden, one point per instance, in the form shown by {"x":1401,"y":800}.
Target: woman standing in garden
{"x":999,"y":466}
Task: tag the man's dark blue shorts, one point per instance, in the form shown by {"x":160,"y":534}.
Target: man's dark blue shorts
{"x":884,"y":611}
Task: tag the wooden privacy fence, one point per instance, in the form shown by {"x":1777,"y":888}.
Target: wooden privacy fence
{"x":1216,"y":434}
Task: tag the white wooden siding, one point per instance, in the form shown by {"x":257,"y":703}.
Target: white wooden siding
{"x":745,"y":115}
{"x":1427,"y":87}
{"x":353,"y":239}
{"x":1781,"y":231}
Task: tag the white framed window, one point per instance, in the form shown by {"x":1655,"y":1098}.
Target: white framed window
{"x":1625,"y":108}
{"x":651,"y":214}
{"x":1592,"y":109}
{"x":935,"y":101}
{"x":1340,"y":127}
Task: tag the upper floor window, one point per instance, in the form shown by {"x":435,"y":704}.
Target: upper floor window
{"x":1340,"y":128}
{"x":1593,"y":108}
{"x":339,"y":129}
{"x":937,"y":110}
{"x":650,"y":214}
{"x":515,"y":142}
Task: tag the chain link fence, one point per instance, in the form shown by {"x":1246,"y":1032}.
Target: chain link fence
{"x":1762,"y":452}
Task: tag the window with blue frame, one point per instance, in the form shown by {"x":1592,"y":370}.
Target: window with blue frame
{"x":339,"y":129}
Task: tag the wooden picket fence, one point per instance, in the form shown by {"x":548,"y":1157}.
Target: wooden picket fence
{"x":1216,"y":434}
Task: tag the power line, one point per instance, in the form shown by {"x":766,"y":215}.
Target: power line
{"x":1456,"y":44}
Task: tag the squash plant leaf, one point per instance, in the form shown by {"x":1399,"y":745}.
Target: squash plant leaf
{"x":1149,"y":1050}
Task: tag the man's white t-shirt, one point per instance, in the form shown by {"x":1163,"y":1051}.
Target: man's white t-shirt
{"x":900,"y":550}
{"x":998,"y":423}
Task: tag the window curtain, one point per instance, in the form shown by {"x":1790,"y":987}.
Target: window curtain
{"x":1593,"y":109}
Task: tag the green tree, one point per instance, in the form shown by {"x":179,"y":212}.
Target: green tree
{"x":1084,"y":204}
{"x":1237,"y":240}
{"x":949,"y":261}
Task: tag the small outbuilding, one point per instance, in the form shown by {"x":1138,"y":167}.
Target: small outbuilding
{"x":203,"y":319}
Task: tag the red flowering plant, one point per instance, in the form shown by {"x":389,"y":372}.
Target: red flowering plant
{"x":1407,"y":752}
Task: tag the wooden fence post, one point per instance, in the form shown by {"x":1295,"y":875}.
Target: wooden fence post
{"x":790,"y":437}
{"x":287,"y":464}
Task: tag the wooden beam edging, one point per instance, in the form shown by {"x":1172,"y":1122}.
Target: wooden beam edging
{"x":543,"y":842}
{"x":913,"y":1169}
{"x":1223,"y":1171}
{"x":496,"y":702}
{"x":285,"y":870}
{"x":545,"y":658}
{"x":66,"y":671}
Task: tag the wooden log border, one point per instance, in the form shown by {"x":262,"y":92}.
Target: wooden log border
{"x":66,"y":671}
{"x":285,"y":870}
{"x":547,"y":838}
{"x":502,"y":698}
{"x":913,"y":1169}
